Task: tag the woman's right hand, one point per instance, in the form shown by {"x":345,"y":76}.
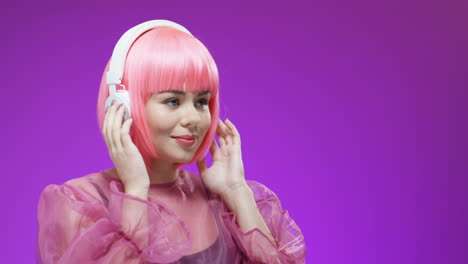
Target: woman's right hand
{"x":127,"y":158}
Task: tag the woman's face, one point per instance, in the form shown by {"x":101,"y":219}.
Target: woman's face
{"x":174,"y":114}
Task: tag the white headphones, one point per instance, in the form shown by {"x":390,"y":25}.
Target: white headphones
{"x":117,"y":64}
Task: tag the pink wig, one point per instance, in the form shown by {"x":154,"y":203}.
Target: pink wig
{"x":163,"y":59}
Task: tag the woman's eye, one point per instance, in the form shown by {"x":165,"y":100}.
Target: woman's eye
{"x":203,"y":102}
{"x":175,"y":101}
{"x":171,"y":101}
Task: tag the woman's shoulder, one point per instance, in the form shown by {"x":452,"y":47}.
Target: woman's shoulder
{"x":79,"y":186}
{"x":85,"y":181}
{"x":81,"y":181}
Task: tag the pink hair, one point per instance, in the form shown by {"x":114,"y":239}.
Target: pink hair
{"x":163,"y":59}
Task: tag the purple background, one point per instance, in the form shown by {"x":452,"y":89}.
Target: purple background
{"x":353,"y":112}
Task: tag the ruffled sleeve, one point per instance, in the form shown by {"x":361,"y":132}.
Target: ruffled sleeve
{"x":290,"y":245}
{"x":75,"y":226}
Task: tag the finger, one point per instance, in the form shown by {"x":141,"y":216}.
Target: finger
{"x":104,"y":128}
{"x":222,"y":141}
{"x":201,"y":165}
{"x":225,"y":131}
{"x":214,"y":149}
{"x":219,"y":130}
{"x":236,"y":135}
{"x":125,"y":133}
{"x":116,"y":128}
{"x":106,"y":117}
{"x":108,"y":131}
{"x":221,"y":136}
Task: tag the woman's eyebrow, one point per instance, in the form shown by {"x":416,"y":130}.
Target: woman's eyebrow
{"x":183,"y":93}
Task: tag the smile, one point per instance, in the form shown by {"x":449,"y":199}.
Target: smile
{"x":185,"y":142}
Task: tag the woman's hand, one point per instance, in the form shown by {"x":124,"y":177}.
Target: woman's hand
{"x":127,"y":158}
{"x":226,"y":174}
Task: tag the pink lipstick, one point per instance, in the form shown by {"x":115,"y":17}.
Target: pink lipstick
{"x":185,"y":142}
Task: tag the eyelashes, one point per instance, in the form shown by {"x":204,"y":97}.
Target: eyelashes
{"x":175,"y":101}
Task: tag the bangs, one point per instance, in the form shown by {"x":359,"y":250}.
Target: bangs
{"x":164,"y":59}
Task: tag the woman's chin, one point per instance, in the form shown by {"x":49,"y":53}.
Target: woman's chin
{"x":183,"y":160}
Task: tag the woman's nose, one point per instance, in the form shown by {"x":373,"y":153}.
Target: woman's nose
{"x":190,"y":116}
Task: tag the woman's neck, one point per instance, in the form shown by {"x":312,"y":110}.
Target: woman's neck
{"x":161,"y":172}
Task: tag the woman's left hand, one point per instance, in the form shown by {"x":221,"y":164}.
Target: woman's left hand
{"x":226,"y":173}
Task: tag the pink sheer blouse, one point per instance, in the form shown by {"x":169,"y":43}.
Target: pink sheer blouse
{"x":92,"y":220}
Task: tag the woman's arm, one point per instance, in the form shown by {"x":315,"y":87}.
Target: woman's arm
{"x":77,"y":227}
{"x":261,"y":228}
{"x":242,"y":203}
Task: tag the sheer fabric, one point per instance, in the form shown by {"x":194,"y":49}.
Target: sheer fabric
{"x":92,"y":220}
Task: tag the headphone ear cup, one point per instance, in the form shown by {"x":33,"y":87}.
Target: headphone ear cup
{"x":109,"y":102}
{"x":121,"y":97}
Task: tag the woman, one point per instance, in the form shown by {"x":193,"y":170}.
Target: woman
{"x":146,"y":209}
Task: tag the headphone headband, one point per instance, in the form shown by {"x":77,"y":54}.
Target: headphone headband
{"x":115,"y":74}
{"x":119,"y":55}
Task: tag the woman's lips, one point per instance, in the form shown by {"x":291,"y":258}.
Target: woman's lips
{"x":185,"y":142}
